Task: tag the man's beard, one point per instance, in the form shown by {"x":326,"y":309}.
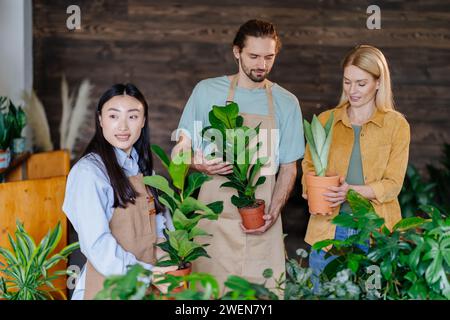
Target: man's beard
{"x":251,"y":73}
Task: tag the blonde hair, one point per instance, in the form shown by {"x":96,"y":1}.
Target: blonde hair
{"x":371,"y":60}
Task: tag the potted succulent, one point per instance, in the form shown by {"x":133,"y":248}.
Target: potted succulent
{"x":186,"y":211}
{"x":17,"y":121}
{"x":319,"y":141}
{"x":238,"y":146}
{"x":5,"y":138}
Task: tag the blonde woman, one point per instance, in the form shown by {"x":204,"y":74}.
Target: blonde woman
{"x":369,"y":149}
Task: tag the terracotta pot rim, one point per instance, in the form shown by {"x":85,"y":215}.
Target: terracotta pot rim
{"x":327,"y":176}
{"x":260,"y":203}
{"x":189,"y":266}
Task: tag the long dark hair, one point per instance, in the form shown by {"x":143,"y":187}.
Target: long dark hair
{"x":124,"y":192}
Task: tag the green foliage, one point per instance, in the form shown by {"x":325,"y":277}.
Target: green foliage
{"x":413,"y":258}
{"x":415,"y":192}
{"x":440,"y":175}
{"x":434,"y":190}
{"x":235,"y":144}
{"x":319,"y":141}
{"x":27,"y":265}
{"x":186,"y":211}
{"x":5,"y":127}
{"x":135,"y":284}
{"x":242,"y":289}
{"x":17,"y":120}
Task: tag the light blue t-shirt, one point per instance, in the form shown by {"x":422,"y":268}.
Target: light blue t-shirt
{"x":214,"y":91}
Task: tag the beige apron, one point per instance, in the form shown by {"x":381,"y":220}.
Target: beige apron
{"x":232,"y":251}
{"x":134,"y":228}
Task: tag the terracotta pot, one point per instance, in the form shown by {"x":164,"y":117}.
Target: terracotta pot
{"x":180,"y":273}
{"x":316,"y":186}
{"x":183,"y":284}
{"x":252,"y":217}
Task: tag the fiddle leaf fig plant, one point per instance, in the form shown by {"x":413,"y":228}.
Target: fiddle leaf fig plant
{"x":186,"y":210}
{"x":232,"y":140}
{"x":319,"y":141}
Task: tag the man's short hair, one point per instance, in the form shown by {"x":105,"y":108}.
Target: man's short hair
{"x":256,"y":28}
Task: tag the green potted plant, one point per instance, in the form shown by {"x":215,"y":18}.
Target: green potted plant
{"x":237,"y":146}
{"x":27,"y":265}
{"x":412,"y":259}
{"x":5,"y":136}
{"x":319,"y":141}
{"x":186,"y":211}
{"x":17,"y":120}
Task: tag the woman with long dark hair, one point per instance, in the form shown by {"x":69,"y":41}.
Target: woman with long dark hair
{"x":118,"y":219}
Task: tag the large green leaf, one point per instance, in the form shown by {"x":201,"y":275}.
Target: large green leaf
{"x":326,"y":147}
{"x":345,"y":220}
{"x":216,"y":207}
{"x":260,"y":181}
{"x":235,"y":185}
{"x":195,"y":181}
{"x":181,"y":222}
{"x":66,"y":251}
{"x":197,"y":232}
{"x":161,"y":155}
{"x":161,"y":183}
{"x":178,"y":169}
{"x":176,"y":237}
{"x":410,"y":223}
{"x":167,"y":202}
{"x":313,"y":150}
{"x":241,"y":202}
{"x":8,"y":256}
{"x":255,"y":169}
{"x":318,"y":133}
{"x":193,"y":205}
{"x":196,"y":253}
{"x":173,"y":254}
{"x":187,"y":247}
{"x":329,"y":124}
{"x":227,"y":114}
{"x":358,"y":203}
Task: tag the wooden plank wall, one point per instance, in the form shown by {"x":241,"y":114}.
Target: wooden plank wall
{"x":166,"y":47}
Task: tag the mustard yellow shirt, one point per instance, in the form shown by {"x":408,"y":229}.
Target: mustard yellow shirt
{"x":384,"y":143}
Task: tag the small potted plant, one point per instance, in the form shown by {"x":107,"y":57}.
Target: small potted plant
{"x":319,"y":141}
{"x":244,"y":178}
{"x":186,"y":211}
{"x":17,"y":121}
{"x":5,"y":138}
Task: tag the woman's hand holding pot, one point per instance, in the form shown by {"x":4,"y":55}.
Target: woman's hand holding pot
{"x":337,"y":195}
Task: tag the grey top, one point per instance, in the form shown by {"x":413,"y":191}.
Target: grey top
{"x":355,"y":174}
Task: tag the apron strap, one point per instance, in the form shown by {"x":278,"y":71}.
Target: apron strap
{"x":232,"y":89}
